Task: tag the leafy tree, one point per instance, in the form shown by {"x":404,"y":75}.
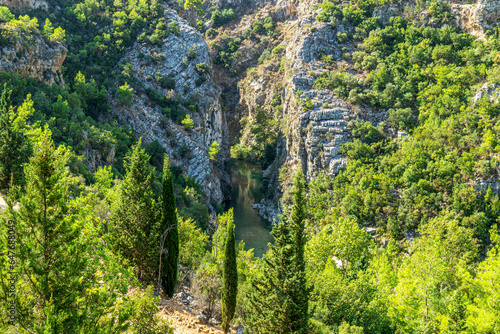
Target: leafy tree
{"x":134,"y":226}
{"x":170,"y":236}
{"x":192,"y":243}
{"x":229,"y":277}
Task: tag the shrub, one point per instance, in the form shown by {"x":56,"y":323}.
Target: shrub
{"x":257,"y":27}
{"x":211,"y":33}
{"x":183,"y":150}
{"x":248,"y":33}
{"x":5,"y":14}
{"x":202,"y":68}
{"x":307,"y":104}
{"x":213,"y":151}
{"x":165,"y":82}
{"x":219,"y":18}
{"x":187,"y":123}
{"x":192,"y":52}
{"x":278,"y":50}
{"x":340,"y":82}
{"x":125,"y":94}
{"x":174,"y":28}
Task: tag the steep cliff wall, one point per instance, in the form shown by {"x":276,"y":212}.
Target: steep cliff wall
{"x":33,"y":56}
{"x":476,"y":18}
{"x":148,"y":121}
{"x":21,"y":5}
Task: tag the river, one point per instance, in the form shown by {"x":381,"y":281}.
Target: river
{"x":249,"y":226}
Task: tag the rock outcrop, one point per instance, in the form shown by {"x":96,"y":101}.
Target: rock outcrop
{"x":476,"y":18}
{"x":209,"y":120}
{"x":33,"y":56}
{"x":21,"y":5}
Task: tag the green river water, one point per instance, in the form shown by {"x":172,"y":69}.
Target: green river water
{"x":249,"y":227}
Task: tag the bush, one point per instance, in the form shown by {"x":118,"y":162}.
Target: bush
{"x":257,"y":27}
{"x":5,"y":14}
{"x":192,"y":52}
{"x":340,"y":82}
{"x":165,"y":82}
{"x":174,"y":28}
{"x":187,"y":123}
{"x":125,"y":94}
{"x":213,"y":151}
{"x":202,"y":68}
{"x":401,"y":118}
{"x":219,"y":18}
{"x":248,"y":33}
{"x":278,"y":50}
{"x":211,"y":33}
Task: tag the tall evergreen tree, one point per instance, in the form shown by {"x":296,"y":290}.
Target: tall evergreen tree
{"x":14,"y":145}
{"x":170,"y":236}
{"x":134,"y":226}
{"x":229,"y":277}
{"x":279,"y":300}
{"x":300,"y":313}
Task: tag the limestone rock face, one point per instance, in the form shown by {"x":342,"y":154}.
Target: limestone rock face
{"x":478,"y":17}
{"x":209,"y":121}
{"x":20,"y":5}
{"x":475,"y":18}
{"x":33,"y":56}
{"x":317,"y":132}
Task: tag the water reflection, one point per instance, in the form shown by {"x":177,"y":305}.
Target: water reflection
{"x":253,"y":230}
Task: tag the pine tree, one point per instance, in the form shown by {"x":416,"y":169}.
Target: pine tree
{"x":269,"y":301}
{"x":170,"y":237}
{"x":14,"y":145}
{"x":51,"y":260}
{"x":280,"y":297}
{"x":229,"y":277}
{"x":134,"y":225}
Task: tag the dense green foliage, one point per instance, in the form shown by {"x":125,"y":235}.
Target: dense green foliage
{"x":66,"y":279}
{"x":134,"y":227}
{"x":279,"y":300}
{"x":431,"y":265}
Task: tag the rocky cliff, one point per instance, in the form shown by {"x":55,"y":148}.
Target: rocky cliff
{"x":175,"y":61}
{"x":476,"y":18}
{"x":33,"y":56}
{"x":21,"y":5}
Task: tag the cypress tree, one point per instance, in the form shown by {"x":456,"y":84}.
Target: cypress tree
{"x":170,"y":237}
{"x":134,"y":225}
{"x":279,"y":300}
{"x":229,"y":276}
